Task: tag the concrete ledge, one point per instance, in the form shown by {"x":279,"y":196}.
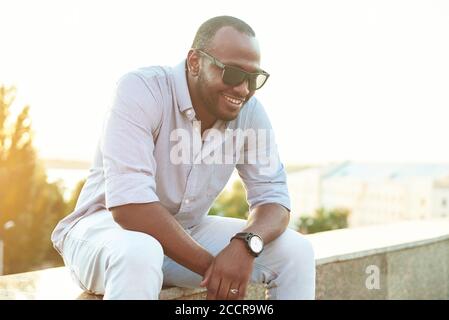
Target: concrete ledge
{"x":56,"y":284}
{"x":412,"y":260}
{"x":348,"y":244}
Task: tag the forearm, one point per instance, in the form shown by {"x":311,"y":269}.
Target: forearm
{"x":155,"y":220}
{"x":268,"y":221}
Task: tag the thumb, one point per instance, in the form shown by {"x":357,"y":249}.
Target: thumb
{"x":206,"y":278}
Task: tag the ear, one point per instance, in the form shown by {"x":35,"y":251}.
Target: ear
{"x":193,"y":62}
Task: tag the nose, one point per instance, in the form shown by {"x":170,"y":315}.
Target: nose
{"x":242,"y":90}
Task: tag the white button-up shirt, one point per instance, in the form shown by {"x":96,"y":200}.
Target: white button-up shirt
{"x":139,"y":158}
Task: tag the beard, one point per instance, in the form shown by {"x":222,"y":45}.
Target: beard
{"x":210,"y":99}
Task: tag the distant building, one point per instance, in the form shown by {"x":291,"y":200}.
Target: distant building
{"x":375,"y":193}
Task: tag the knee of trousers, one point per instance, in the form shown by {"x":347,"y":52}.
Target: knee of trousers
{"x":136,"y":253}
{"x":295,"y":250}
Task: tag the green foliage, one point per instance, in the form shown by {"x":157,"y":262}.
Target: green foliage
{"x":30,"y":207}
{"x":324,"y":220}
{"x":75,"y":195}
{"x":231,"y":203}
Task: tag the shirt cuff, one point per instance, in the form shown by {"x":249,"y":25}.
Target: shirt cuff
{"x":269,"y":195}
{"x":130,"y":188}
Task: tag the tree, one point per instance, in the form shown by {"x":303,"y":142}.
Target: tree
{"x":30,"y":207}
{"x":231,"y":203}
{"x":75,"y":195}
{"x":324,"y":220}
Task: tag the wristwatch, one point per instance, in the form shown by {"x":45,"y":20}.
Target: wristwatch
{"x":254,"y":242}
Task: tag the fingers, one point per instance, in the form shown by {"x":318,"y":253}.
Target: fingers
{"x":234,"y":291}
{"x":223,"y":288}
{"x":221,"y":274}
{"x":213,"y":287}
{"x":225,"y":291}
{"x":242,"y":290}
{"x":222,"y":293}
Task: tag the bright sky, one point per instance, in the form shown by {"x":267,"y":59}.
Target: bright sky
{"x":350,"y":80}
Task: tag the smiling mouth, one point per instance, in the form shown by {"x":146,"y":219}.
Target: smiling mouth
{"x":234,"y":101}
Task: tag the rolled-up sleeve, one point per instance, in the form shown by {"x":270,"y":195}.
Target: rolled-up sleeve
{"x":265,"y":179}
{"x":128,"y":142}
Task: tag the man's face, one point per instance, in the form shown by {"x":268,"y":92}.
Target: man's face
{"x":232,"y":48}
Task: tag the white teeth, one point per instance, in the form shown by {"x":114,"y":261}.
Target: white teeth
{"x":234,"y":101}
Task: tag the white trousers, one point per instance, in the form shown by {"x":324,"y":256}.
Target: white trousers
{"x":121,"y":264}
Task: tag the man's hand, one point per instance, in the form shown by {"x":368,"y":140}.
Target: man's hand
{"x":231,"y":269}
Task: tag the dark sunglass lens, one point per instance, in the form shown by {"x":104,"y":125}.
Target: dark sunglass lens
{"x":233,"y":76}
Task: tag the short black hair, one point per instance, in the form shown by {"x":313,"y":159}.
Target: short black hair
{"x":209,"y":28}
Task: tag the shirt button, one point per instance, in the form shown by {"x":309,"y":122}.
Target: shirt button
{"x":186,"y":201}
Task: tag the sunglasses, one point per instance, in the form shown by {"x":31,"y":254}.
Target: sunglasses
{"x":234,"y":76}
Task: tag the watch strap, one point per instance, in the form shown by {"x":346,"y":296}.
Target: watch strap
{"x":246,"y":236}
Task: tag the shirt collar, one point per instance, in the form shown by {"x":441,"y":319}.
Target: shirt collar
{"x":181,"y":88}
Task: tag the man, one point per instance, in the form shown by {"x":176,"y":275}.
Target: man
{"x":141,"y":219}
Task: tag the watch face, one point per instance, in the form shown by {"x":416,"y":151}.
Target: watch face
{"x":256,"y":244}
